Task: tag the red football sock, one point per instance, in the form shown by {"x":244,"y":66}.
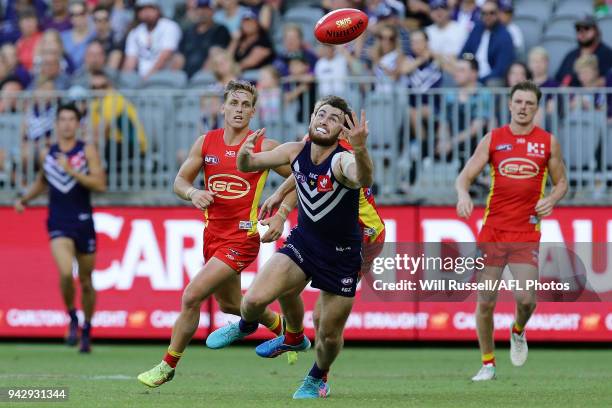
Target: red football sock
{"x":488,"y":358}
{"x":294,"y":337}
{"x":277,"y":326}
{"x":172,"y":358}
{"x":517,"y":329}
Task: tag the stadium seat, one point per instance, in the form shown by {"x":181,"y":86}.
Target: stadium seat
{"x":129,"y":80}
{"x":202,"y":79}
{"x":538,"y":9}
{"x":574,"y":8}
{"x":166,"y":79}
{"x":10,"y":129}
{"x":557,"y":48}
{"x":532,"y":30}
{"x":561,"y":27}
{"x":579,"y":140}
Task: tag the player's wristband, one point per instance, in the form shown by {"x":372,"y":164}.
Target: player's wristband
{"x":190,"y":192}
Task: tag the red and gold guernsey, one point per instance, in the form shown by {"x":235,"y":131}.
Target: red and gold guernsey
{"x":519,"y":169}
{"x":233,"y":214}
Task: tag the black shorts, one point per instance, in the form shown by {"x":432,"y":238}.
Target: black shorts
{"x":81,"y":232}
{"x":332,"y":267}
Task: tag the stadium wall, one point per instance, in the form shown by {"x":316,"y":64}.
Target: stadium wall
{"x":146,"y":256}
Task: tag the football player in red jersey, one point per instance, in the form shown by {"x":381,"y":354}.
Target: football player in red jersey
{"x":229,"y":201}
{"x":521,"y":157}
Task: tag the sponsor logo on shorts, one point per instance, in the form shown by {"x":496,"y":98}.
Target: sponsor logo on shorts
{"x":346,"y":290}
{"x":211,"y":159}
{"x":233,"y":251}
{"x":347,"y":281}
{"x":369,"y":232}
{"x":300,"y":177}
{"x":245,"y":225}
{"x":230,"y":153}
{"x":342,"y":249}
{"x":296,"y":252}
{"x":91,"y":245}
{"x":228,"y":186}
{"x":230,"y":257}
{"x":324,"y":183}
{"x":84,"y":216}
{"x":518,"y":168}
{"x":503,"y":147}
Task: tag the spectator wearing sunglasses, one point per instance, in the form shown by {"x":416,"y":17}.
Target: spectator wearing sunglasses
{"x":589,"y":41}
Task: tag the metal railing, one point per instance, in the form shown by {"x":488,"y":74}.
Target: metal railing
{"x":418,"y":142}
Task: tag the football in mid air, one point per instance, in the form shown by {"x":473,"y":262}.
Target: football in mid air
{"x":341,"y":26}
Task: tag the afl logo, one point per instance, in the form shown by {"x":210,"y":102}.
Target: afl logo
{"x":347,"y":281}
{"x":228,"y":186}
{"x":518,"y":168}
{"x":211,"y":159}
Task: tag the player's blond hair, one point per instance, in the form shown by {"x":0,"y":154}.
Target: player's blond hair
{"x":240,"y":85}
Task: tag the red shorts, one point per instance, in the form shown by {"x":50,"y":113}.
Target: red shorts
{"x":370,"y":250}
{"x":501,"y":247}
{"x":236,"y":253}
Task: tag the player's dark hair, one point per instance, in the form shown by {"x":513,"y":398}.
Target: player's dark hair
{"x":528,"y":86}
{"x":336,"y":102}
{"x":240,"y":85}
{"x":69,"y":107}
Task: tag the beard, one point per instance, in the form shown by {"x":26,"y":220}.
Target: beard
{"x":322,"y":141}
{"x":587,"y":43}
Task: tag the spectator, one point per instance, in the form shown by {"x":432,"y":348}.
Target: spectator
{"x":9,"y":24}
{"x":51,"y":70}
{"x":267,"y":12}
{"x":506,"y":12}
{"x":111,"y":43}
{"x":470,"y":101}
{"x":385,"y":12}
{"x":386,"y":57}
{"x":300,"y":97}
{"x":150,"y":46}
{"x":95,"y":60}
{"x":225,"y":69}
{"x":76,"y":39}
{"x":446,"y":37}
{"x":269,"y":94}
{"x":8,"y":53}
{"x":120,"y":17}
{"x":517,"y":72}
{"x":30,"y":36}
{"x":538,"y":65}
{"x":60,"y":17}
{"x":492,"y":46}
{"x":467,"y":14}
{"x":587,"y":70}
{"x":51,"y":42}
{"x":230,"y":15}
{"x":293,"y":44}
{"x":418,"y":14}
{"x":197,"y":40}
{"x":39,"y":122}
{"x":331,"y":71}
{"x":10,"y":88}
{"x":420,"y":72}
{"x":253,"y":48}
{"x":589,"y":42}
{"x":115,"y":119}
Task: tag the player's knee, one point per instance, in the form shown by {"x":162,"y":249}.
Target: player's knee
{"x":330,"y":340}
{"x":486,"y":308}
{"x":253,"y":301}
{"x":191,"y":299}
{"x":86,"y":284}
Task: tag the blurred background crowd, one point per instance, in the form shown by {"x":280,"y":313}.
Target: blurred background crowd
{"x":51,"y":49}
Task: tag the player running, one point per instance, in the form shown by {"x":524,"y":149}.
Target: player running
{"x":231,"y":241}
{"x":371,"y":225}
{"x":325,"y":247}
{"x":521,"y":156}
{"x":71,"y":169}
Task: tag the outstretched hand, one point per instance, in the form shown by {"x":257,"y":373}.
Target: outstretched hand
{"x":249,"y":144}
{"x":356,"y":131}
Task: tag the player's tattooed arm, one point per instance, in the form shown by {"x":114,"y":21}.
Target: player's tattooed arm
{"x":95,"y":180}
{"x":247,"y":160}
{"x":274,"y":201}
{"x":35,"y":189}
{"x":355,"y":170}
{"x":558,"y":176}
{"x":472,"y":169}
{"x":183,"y":183}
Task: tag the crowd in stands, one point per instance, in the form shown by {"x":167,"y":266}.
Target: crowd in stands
{"x":420,"y":45}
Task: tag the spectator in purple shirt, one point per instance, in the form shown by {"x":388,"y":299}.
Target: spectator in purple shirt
{"x":60,"y":17}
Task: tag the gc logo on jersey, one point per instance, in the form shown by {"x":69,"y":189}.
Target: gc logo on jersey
{"x":228,"y":186}
{"x":518,"y":168}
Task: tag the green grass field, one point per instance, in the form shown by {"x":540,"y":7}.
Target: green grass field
{"x":362,"y":377}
